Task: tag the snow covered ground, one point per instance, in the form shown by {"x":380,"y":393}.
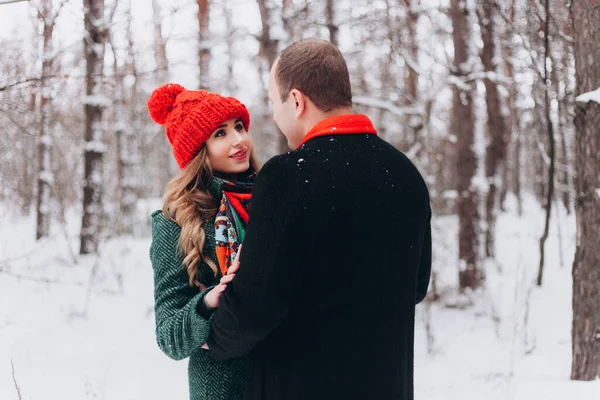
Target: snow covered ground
{"x":85,"y":330}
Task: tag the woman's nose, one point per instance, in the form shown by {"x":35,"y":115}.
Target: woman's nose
{"x":238,"y":138}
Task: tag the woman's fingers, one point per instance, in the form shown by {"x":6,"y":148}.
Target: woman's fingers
{"x":219,"y":288}
{"x":227,"y":278}
{"x":236,"y":263}
{"x":234,"y":267}
{"x":237,"y":256}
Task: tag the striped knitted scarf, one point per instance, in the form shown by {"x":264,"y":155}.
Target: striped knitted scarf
{"x":231,"y":220}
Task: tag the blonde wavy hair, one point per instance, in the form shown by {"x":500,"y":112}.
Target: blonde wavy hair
{"x":189,"y":204}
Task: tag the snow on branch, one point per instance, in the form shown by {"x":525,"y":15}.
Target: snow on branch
{"x":585,"y":98}
{"x":459,"y":83}
{"x":412,"y":64}
{"x":385,"y":105}
{"x":491,"y":75}
{"x":543,"y":153}
{"x":97,"y":100}
{"x":95,"y":146}
{"x":463,"y":83}
{"x":413,"y":151}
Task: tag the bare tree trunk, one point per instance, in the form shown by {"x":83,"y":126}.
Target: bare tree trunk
{"x":516,"y":175}
{"x":552,"y":155}
{"x":134,"y":182}
{"x":45,"y":177}
{"x":411,"y":81}
{"x":496,"y":149}
{"x":566,"y":135}
{"x":562,"y":164}
{"x":95,"y":102}
{"x":160,"y":46}
{"x":537,"y":142}
{"x":568,"y":100}
{"x":535,"y":146}
{"x":331,"y":26}
{"x":125,"y":142}
{"x":268,"y":46}
{"x":230,"y":49}
{"x":462,"y":126}
{"x":203,"y":43}
{"x":514,"y":166}
{"x":559,"y":86}
{"x":268,"y":51}
{"x":586,"y":267}
{"x":169,"y":167}
{"x":286,"y":20}
{"x":395,"y":138}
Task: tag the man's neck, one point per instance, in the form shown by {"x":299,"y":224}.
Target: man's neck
{"x":319,"y":116}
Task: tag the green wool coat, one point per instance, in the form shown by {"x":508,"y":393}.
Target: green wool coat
{"x":180,"y":328}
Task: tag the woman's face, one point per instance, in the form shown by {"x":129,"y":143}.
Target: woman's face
{"x":228,"y":148}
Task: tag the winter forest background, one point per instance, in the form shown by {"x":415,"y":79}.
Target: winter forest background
{"x":496,"y":101}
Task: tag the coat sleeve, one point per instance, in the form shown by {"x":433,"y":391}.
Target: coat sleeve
{"x":180,"y":330}
{"x":424,"y":272}
{"x":259,"y":297}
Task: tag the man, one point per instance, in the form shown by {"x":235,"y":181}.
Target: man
{"x":337,"y":251}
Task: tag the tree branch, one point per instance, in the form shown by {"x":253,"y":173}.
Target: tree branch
{"x":12,"y":365}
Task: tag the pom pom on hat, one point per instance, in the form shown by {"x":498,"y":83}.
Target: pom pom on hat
{"x":162,"y":101}
{"x":191,"y":116}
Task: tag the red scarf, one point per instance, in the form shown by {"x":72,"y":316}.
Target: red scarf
{"x":339,"y":125}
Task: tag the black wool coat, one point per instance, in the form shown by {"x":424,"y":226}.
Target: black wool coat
{"x":336,"y":256}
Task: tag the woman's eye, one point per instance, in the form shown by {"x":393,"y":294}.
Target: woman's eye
{"x":220,"y":133}
{"x":239,"y":127}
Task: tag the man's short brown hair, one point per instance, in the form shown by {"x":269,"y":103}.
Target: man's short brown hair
{"x":317,"y":69}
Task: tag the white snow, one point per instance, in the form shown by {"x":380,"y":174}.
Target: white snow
{"x":121,"y":127}
{"x":385,"y":105}
{"x":95,"y":146}
{"x":589,"y":96}
{"x":450,"y":194}
{"x":47,"y":177}
{"x":97,"y":100}
{"x":46,"y":140}
{"x":514,"y":343}
{"x":480,"y":183}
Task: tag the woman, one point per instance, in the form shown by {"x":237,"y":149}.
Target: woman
{"x":196,"y":235}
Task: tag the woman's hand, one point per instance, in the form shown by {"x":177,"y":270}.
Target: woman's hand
{"x":213,"y":297}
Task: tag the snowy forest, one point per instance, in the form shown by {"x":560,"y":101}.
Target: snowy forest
{"x":497,"y":102}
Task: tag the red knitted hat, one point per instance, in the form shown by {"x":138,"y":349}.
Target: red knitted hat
{"x":190,"y":116}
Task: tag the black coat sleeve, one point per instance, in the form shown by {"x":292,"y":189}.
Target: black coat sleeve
{"x":425,"y":264}
{"x":258,"y":299}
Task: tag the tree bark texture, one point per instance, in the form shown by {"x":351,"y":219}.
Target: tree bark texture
{"x":462,"y":127}
{"x":586,"y":267}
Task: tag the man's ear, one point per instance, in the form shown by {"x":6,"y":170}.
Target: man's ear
{"x":298,"y":101}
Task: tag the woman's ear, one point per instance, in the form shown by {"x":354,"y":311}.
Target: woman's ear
{"x":298,"y":102}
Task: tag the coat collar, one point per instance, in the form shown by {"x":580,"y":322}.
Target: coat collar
{"x":340,"y":125}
